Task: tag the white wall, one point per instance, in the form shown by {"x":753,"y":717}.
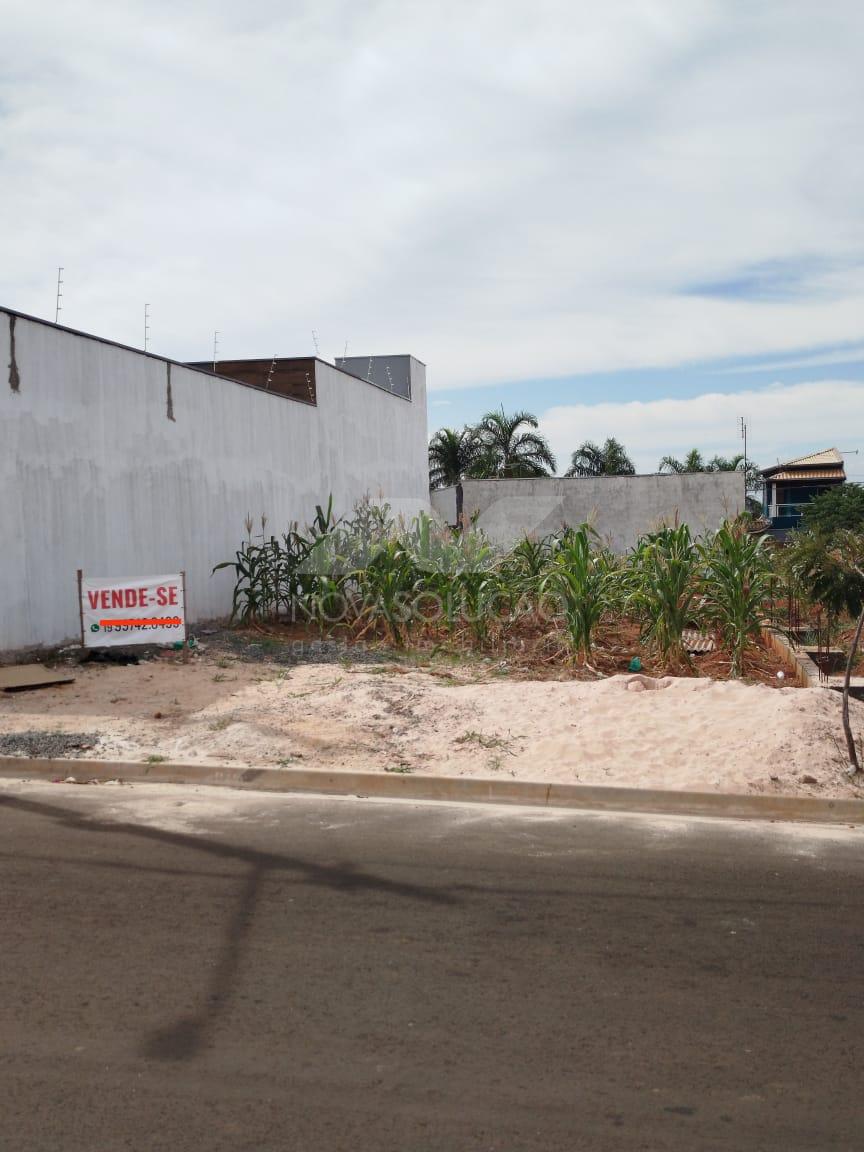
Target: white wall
{"x":621,"y":508}
{"x":95,"y":476}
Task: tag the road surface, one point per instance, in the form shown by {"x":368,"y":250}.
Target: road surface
{"x":199,"y":969}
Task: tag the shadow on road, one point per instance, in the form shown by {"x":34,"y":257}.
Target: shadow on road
{"x":183,"y":1038}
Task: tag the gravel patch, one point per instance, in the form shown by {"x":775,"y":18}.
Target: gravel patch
{"x":51,"y":745}
{"x":294,"y":652}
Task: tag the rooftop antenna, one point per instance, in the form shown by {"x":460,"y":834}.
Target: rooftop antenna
{"x":389,"y":378}
{"x":270,"y":373}
{"x":315,"y":342}
{"x":345,"y":351}
{"x":742,"y":425}
{"x":146,"y":326}
{"x":369,"y":370}
{"x":58,"y":308}
{"x":215,"y":349}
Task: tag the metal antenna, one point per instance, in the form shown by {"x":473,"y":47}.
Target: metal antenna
{"x":389,"y":378}
{"x":369,"y":370}
{"x":146,"y":326}
{"x":315,"y":342}
{"x":742,"y":424}
{"x":59,"y":308}
{"x":215,"y":349}
{"x":345,"y":351}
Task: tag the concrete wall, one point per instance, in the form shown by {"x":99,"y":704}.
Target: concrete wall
{"x":393,"y":373}
{"x":95,"y":475}
{"x":621,"y":508}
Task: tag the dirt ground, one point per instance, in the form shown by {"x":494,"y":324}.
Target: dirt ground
{"x":356,"y":713}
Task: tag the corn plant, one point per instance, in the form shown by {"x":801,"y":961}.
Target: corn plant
{"x":583,"y":580}
{"x":387,"y":583}
{"x":736,"y":585}
{"x":664,"y":583}
{"x":523,"y":569}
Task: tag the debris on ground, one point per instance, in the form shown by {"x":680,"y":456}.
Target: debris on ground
{"x":254,"y":647}
{"x":24,"y":677}
{"x":47,"y":745}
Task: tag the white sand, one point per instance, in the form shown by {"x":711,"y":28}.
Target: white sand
{"x":627,"y":730}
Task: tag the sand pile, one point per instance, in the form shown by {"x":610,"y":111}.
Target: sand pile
{"x":628,"y":730}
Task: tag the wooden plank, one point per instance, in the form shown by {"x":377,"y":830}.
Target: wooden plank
{"x":20,"y":677}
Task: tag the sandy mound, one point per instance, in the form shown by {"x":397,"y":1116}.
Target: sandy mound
{"x":628,"y":730}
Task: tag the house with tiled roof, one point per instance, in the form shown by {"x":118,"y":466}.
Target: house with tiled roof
{"x":789,"y":487}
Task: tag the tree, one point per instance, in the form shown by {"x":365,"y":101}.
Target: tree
{"x":811,"y":559}
{"x":692,"y":462}
{"x":510,"y":448}
{"x":726,"y":463}
{"x":452,"y":456}
{"x":610,"y":460}
{"x":695,"y":462}
{"x":837,"y":508}
{"x":848,"y":552}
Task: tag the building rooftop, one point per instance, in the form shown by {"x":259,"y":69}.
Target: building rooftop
{"x":824,"y":465}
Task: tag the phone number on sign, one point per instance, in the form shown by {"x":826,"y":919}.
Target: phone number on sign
{"x":137,"y":626}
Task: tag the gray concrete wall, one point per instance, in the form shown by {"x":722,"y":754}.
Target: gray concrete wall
{"x":392,"y":373}
{"x":96,"y":476}
{"x":621,"y":508}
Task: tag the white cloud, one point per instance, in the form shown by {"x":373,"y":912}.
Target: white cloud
{"x":507,"y":190}
{"x":850,"y":354}
{"x":784,"y":421}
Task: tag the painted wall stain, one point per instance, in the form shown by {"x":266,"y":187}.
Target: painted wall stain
{"x":14,"y":375}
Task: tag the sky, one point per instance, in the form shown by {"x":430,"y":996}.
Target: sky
{"x":639,"y":218}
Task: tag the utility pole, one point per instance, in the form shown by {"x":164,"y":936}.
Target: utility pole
{"x":58,"y":307}
{"x":146,"y":326}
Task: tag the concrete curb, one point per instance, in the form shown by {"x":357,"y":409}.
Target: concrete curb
{"x":805,"y":670}
{"x":457,"y":790}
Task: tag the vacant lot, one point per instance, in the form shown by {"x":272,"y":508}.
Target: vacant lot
{"x":356,"y":710}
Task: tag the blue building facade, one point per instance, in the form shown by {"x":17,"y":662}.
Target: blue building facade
{"x":788,"y":488}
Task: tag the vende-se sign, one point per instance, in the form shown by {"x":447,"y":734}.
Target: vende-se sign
{"x":147,"y":610}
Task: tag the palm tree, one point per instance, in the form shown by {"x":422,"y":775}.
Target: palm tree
{"x":610,"y":460}
{"x":692,"y":462}
{"x":508,"y":451}
{"x":452,"y":455}
{"x":725,"y":463}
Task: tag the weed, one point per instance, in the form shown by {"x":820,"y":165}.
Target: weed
{"x":484,"y":741}
{"x":154,"y":758}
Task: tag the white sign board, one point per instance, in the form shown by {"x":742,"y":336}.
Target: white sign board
{"x":146,"y":610}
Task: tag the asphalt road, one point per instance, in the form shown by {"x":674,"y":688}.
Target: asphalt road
{"x":204,"y":970}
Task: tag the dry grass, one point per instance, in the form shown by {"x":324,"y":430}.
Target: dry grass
{"x":531,"y":648}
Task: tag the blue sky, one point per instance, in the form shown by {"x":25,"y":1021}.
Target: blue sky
{"x":755,"y":387}
{"x":636,"y":217}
